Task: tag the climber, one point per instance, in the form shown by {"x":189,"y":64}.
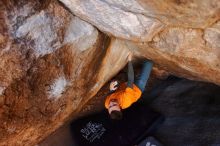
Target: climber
{"x":123,"y":96}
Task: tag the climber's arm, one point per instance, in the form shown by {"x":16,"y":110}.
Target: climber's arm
{"x":130,"y":73}
{"x":112,"y":88}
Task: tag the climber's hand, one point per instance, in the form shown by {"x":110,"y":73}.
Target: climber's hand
{"x":130,"y":55}
{"x":113,"y":85}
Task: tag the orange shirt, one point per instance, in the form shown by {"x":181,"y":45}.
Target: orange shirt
{"x":124,"y":95}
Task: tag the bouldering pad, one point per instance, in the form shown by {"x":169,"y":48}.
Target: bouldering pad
{"x":99,"y":130}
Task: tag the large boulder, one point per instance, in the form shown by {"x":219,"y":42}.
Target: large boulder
{"x":55,"y":57}
{"x":51,"y":64}
{"x":179,"y":35}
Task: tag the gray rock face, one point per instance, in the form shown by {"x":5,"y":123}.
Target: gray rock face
{"x":212,"y":36}
{"x":115,"y":21}
{"x":40,"y":29}
{"x":82,"y":38}
{"x":141,"y":20}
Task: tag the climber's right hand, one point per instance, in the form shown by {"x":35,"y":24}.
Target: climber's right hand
{"x":113,"y":85}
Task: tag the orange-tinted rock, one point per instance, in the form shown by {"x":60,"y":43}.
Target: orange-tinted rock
{"x":51,"y":66}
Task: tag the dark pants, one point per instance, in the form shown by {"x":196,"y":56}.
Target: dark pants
{"x":142,"y":78}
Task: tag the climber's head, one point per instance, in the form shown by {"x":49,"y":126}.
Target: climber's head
{"x":114,"y":110}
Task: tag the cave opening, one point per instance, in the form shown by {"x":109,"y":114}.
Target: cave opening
{"x":191,"y":109}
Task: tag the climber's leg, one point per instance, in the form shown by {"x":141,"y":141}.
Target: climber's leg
{"x":142,"y":79}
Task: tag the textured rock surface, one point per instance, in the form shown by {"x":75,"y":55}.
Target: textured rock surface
{"x":181,"y":36}
{"x":187,"y":53}
{"x":115,"y":21}
{"x":52,"y":62}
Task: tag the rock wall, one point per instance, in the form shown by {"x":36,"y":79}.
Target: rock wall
{"x":55,"y":56}
{"x":179,"y":35}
